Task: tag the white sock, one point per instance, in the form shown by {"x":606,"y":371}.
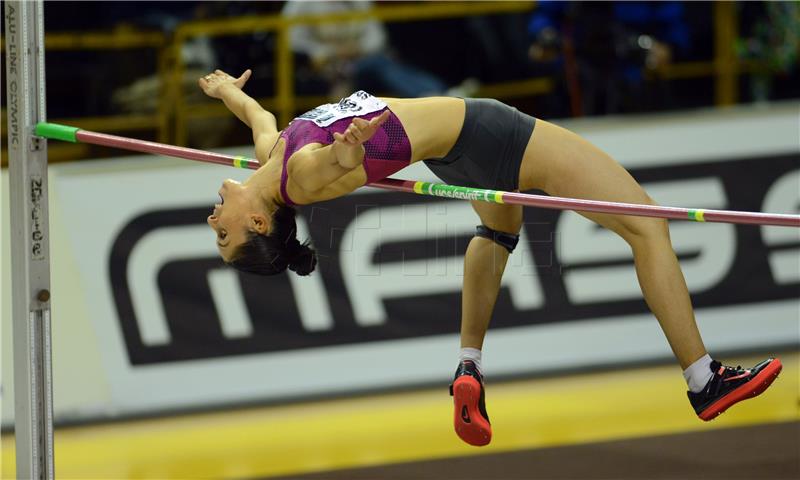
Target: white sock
{"x":473,"y":354}
{"x":698,"y":374}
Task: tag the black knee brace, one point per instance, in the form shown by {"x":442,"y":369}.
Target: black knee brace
{"x":507,"y":240}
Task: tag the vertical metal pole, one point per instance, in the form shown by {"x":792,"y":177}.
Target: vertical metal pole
{"x":30,"y":250}
{"x":284,"y":81}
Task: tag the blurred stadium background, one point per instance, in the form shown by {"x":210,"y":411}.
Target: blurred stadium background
{"x":167,"y":365}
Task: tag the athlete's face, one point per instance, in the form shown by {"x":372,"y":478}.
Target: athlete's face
{"x":235,"y":217}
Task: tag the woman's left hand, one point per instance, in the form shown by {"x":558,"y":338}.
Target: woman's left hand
{"x":213,"y":83}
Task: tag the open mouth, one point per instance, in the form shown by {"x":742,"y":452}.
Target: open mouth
{"x":218,"y":205}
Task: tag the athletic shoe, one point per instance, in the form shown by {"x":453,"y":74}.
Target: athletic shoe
{"x":729,"y":386}
{"x":470,"y":418}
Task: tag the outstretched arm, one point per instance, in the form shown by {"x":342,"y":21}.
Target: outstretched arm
{"x":222,"y":86}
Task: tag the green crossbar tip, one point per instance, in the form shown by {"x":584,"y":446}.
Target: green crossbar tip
{"x":56,"y":131}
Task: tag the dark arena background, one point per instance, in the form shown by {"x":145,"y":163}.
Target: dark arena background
{"x":151,"y":359}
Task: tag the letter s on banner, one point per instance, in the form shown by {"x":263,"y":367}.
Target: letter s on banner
{"x":585,"y":247}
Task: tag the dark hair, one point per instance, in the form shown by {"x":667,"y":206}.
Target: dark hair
{"x":272,"y":254}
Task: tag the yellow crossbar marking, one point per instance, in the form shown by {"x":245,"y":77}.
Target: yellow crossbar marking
{"x":380,"y":429}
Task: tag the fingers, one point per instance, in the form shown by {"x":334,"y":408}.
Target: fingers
{"x":208,"y":79}
{"x":209,"y":83}
{"x":243,"y":79}
{"x":219,"y":75}
{"x":205,"y":83}
{"x":354,"y":135}
{"x":350,"y":137}
{"x":360,"y":122}
{"x":380,"y":119}
{"x":360,"y":130}
{"x":345,"y":139}
{"x":374,"y":122}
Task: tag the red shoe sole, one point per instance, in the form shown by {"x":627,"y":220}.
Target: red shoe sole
{"x":467,"y":418}
{"x":751,"y":389}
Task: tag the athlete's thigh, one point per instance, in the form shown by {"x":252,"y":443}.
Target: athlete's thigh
{"x":563,"y":164}
{"x":503,"y":218}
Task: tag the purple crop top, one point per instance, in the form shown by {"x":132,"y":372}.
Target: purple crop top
{"x":387,"y":152}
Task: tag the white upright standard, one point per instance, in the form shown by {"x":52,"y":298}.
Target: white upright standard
{"x":30,"y":250}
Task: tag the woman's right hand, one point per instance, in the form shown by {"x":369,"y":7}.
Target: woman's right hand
{"x":348,"y":147}
{"x":213,"y":83}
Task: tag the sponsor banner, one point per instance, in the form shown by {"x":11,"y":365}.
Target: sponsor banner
{"x":391,"y":268}
{"x":175,"y":328}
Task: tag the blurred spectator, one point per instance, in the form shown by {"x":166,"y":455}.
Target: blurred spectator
{"x":142,"y":92}
{"x":354,"y":55}
{"x":774,"y":39}
{"x":603,"y":49}
{"x":88,"y":91}
{"x":500,"y":49}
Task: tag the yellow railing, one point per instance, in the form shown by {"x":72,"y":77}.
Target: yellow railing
{"x":725,"y":61}
{"x":286,"y":103}
{"x":119,"y":39}
{"x":171,"y":119}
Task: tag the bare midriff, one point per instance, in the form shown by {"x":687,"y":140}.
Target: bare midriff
{"x":432,"y":124}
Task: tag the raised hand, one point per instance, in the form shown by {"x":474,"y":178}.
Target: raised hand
{"x":360,"y":130}
{"x":214,"y":82}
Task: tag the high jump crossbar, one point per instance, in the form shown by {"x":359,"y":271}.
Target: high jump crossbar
{"x":74,"y":134}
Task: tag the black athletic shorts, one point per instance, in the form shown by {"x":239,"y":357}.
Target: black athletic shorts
{"x":489,"y":149}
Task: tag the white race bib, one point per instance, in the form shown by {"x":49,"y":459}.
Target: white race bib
{"x":359,"y":103}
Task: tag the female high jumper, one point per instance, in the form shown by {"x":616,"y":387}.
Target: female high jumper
{"x":336,"y":148}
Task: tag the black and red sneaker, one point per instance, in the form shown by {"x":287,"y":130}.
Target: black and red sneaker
{"x":470,"y":418}
{"x":729,"y":386}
